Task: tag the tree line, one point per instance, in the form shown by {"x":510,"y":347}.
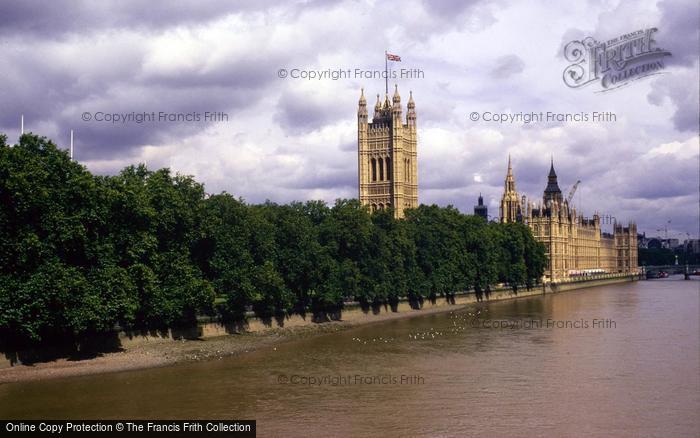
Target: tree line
{"x":81,"y":253}
{"x":667,"y":256}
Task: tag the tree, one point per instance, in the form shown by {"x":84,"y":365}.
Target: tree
{"x":80,"y":253}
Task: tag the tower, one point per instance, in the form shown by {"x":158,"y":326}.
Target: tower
{"x":510,"y":202}
{"x":480,"y":209}
{"x":387,"y":155}
{"x":552,"y":193}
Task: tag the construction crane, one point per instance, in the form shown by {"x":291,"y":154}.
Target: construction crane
{"x":572,"y":192}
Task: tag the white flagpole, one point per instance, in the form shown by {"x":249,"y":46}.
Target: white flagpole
{"x":71,"y":144}
{"x":22,"y":124}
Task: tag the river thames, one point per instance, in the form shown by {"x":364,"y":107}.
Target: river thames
{"x":616,"y":360}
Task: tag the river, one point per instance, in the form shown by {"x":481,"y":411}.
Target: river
{"x":527,"y":366}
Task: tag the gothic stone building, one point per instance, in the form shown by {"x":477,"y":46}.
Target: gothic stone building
{"x":573,"y":243}
{"x":480,"y":209}
{"x":387,"y":155}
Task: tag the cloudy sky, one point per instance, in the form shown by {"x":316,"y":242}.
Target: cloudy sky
{"x":295,"y":139}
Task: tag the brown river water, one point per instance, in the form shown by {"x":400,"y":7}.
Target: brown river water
{"x":534,"y":366}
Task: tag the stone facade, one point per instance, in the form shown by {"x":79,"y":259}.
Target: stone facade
{"x":575,"y":245}
{"x":510,"y":203}
{"x":387,"y":155}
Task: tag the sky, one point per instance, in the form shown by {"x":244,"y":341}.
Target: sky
{"x":293,"y":138}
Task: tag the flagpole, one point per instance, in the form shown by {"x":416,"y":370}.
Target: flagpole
{"x":386,"y":73}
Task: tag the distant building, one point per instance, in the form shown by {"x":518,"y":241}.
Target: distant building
{"x":481,"y":210}
{"x":659,"y":242}
{"x":692,"y":246}
{"x":573,"y":243}
{"x":655,"y":243}
{"x":672,"y":243}
{"x":642,"y":240}
{"x":387,"y":155}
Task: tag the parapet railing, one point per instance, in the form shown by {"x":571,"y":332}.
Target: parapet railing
{"x":606,"y":276}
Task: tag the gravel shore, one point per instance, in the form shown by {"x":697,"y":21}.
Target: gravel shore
{"x":166,"y":352}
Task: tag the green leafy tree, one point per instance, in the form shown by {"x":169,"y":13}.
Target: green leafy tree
{"x":80,"y":253}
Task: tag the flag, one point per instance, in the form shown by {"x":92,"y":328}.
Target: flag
{"x":391,"y":57}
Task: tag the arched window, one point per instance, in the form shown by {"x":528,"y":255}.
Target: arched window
{"x":381,"y":206}
{"x":373,"y":207}
{"x":388,"y":169}
{"x":381,"y":169}
{"x":374,"y":169}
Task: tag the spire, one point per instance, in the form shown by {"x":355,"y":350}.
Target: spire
{"x":377,"y":107}
{"x":552,"y":192}
{"x":397,"y":98}
{"x":396,"y":107}
{"x":362,"y":110}
{"x":411,"y":113}
{"x":510,"y":202}
{"x":552,"y":173}
{"x":552,"y":179}
{"x":510,"y":180}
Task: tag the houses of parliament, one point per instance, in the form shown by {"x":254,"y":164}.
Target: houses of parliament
{"x":388,"y":178}
{"x":574,"y":245}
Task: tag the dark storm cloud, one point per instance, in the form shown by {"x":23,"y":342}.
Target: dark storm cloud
{"x":51,"y":18}
{"x":530,"y":172}
{"x":121,"y":83}
{"x":679,"y":31}
{"x":109,"y":75}
{"x":506,"y":66}
{"x":291,"y":140}
{"x":326,"y":178}
{"x":104,"y":139}
{"x":60,"y":99}
{"x":681,"y":88}
{"x":243,"y":73}
{"x":299,"y":113}
{"x":39,"y":88}
{"x":659,"y":184}
{"x":42,"y":18}
{"x":442,"y":176}
{"x":449,"y":8}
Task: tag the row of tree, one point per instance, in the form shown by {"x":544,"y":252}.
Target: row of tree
{"x":666,"y":256}
{"x":81,"y":253}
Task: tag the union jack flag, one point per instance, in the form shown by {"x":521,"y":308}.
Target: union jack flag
{"x":391,"y":57}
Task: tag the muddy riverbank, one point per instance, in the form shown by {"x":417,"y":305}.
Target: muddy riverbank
{"x":215,"y":341}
